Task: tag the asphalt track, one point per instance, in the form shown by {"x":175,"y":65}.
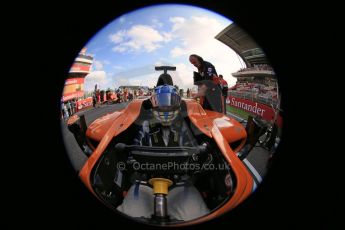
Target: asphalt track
{"x":256,"y":161}
{"x":73,"y":150}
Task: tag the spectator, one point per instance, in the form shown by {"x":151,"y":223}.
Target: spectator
{"x":68,"y":106}
{"x":66,"y":115}
{"x":62,"y":110}
{"x":73,"y":106}
{"x":188,"y":93}
{"x":224,"y":88}
{"x":94,"y":99}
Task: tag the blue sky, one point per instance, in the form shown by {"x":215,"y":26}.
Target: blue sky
{"x":127,"y":49}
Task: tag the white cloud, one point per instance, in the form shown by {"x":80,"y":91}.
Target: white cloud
{"x":118,"y":36}
{"x":156,"y":23}
{"x":121,"y":81}
{"x":98,"y":65}
{"x":106,"y":62}
{"x":197,"y":35}
{"x":183,"y":76}
{"x":96,"y":77}
{"x":119,"y":49}
{"x":135,"y":82}
{"x":159,"y":63}
{"x":142,"y":80}
{"x":147,"y":76}
{"x":150,"y":80}
{"x":117,"y":67}
{"x":147,"y":80}
{"x":177,"y":52}
{"x":191,"y":35}
{"x":167,"y":36}
{"x":139,"y":38}
{"x":163,"y":60}
{"x":177,"y":22}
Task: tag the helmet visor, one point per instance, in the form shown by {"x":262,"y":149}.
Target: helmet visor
{"x":166,"y":101}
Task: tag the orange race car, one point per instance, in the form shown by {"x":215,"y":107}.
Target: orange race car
{"x":120,"y":166}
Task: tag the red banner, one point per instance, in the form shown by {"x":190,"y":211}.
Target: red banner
{"x":78,"y":67}
{"x":72,"y":81}
{"x":264,"y":111}
{"x":71,"y":96}
{"x":82,"y":104}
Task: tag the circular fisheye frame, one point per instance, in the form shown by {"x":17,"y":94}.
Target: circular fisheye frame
{"x":170,"y":115}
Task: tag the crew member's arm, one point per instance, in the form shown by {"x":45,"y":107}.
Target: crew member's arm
{"x":142,"y":135}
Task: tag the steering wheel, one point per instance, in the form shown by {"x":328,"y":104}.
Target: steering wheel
{"x":154,"y":151}
{"x":163,"y":161}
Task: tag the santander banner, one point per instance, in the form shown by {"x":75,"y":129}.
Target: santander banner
{"x":81,"y":68}
{"x":82,"y":104}
{"x":72,"y":81}
{"x":71,"y":96}
{"x":264,"y":111}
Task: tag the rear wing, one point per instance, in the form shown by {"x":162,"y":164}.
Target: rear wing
{"x":165,"y":68}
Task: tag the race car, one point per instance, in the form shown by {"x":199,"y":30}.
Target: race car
{"x":219,"y":173}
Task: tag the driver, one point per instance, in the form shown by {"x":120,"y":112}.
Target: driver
{"x":166,"y":128}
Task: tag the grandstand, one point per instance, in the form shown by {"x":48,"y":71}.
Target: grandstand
{"x":256,"y":81}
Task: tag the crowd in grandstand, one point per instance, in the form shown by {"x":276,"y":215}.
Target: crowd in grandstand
{"x":255,"y":91}
{"x":257,"y":67}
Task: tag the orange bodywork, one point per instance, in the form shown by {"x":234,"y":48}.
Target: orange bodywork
{"x":72,"y":119}
{"x":114,"y":125}
{"x":222,"y":129}
{"x":208,"y":121}
{"x":100,"y":127}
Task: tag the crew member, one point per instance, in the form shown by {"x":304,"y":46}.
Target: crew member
{"x":208,"y":91}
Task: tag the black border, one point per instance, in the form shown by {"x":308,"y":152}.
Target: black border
{"x":299,"y":189}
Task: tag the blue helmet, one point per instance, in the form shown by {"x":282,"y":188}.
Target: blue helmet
{"x":165,"y":103}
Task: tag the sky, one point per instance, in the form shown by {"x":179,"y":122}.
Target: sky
{"x":127,"y":49}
